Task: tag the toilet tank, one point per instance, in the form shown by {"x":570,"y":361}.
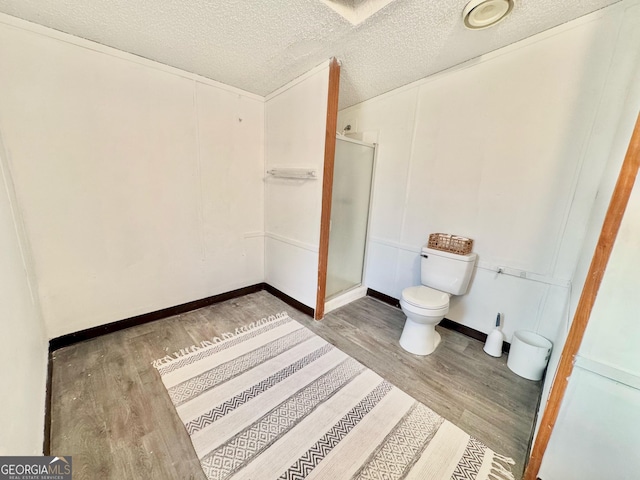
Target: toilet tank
{"x":447,"y":272}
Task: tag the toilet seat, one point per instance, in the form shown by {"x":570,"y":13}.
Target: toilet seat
{"x":424,"y":307}
{"x":425,"y":298}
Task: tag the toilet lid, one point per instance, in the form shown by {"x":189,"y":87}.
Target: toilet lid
{"x":425,"y":297}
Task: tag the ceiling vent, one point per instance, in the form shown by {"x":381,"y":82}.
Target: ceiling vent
{"x":356,"y":11}
{"x":480,"y":14}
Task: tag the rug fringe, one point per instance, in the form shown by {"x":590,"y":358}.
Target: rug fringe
{"x":183,"y":352}
{"x":504,"y":459}
{"x":500,"y":471}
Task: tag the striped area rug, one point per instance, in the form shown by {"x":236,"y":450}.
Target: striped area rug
{"x":275,"y":401}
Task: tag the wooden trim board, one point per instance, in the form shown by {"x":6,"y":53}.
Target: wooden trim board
{"x":608,"y":234}
{"x":327,"y":183}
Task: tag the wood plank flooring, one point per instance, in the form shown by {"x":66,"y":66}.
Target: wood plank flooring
{"x":111,"y":412}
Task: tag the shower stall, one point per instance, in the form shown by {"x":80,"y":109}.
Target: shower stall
{"x":350,"y":200}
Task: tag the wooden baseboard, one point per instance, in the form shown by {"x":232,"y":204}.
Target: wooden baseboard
{"x":89,"y":333}
{"x":289,"y":300}
{"x":446,"y":323}
{"x":94,"y":332}
{"x":394,"y":302}
{"x":46,"y":444}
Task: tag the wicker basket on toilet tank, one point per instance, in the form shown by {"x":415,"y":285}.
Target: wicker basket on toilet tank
{"x":450,"y":243}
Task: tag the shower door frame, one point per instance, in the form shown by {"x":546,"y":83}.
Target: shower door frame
{"x":368,"y":227}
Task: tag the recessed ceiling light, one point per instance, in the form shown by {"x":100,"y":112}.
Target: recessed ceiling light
{"x":484,"y":13}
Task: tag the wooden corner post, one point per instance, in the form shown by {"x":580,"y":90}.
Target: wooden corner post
{"x":327,"y":183}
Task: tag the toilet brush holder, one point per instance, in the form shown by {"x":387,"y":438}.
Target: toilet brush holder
{"x":493,"y":345}
{"x":495,"y":339}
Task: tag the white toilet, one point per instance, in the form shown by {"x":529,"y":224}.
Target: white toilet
{"x":442,"y":274}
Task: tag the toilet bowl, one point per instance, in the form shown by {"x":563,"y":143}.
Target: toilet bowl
{"x":442,"y":274}
{"x":424,"y":307}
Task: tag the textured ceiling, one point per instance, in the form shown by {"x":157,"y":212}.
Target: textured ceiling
{"x":260,"y":45}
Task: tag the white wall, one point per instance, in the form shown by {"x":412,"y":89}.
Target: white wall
{"x":499,"y":150}
{"x":613,"y":126}
{"x":23,"y":356}
{"x":296,"y":118}
{"x":596,"y":435}
{"x":613,"y":332}
{"x":141,"y":186}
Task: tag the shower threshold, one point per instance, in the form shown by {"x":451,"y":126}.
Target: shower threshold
{"x":344,"y":297}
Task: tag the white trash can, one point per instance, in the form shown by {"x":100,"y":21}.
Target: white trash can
{"x":529,"y":354}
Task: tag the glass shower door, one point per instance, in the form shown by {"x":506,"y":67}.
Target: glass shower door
{"x":352,"y":174}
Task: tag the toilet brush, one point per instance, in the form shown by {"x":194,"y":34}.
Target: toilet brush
{"x":493,"y":345}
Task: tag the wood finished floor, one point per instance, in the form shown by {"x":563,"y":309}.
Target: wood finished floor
{"x":111,"y":412}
